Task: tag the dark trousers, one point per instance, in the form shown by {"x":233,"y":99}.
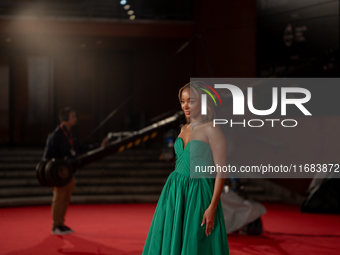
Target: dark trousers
{"x":61,"y":199}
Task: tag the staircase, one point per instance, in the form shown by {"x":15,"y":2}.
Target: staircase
{"x":131,"y":176}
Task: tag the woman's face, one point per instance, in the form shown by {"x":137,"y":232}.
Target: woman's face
{"x":190,"y":104}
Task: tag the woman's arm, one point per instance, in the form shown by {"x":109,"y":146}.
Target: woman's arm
{"x":218,"y":147}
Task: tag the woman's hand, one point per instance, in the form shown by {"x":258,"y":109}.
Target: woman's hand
{"x":208,"y":219}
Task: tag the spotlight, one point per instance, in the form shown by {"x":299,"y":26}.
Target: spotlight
{"x":132,"y":17}
{"x":130,"y":12}
{"x":127,"y":7}
{"x":123,"y":2}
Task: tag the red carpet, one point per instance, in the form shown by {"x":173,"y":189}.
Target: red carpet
{"x":122,"y":230}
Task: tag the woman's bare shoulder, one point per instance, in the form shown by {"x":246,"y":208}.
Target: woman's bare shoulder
{"x":209,"y":125}
{"x":213,"y":131}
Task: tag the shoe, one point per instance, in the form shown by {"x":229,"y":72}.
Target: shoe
{"x":60,"y":230}
{"x":68,"y":229}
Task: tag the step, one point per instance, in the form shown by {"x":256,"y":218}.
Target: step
{"x":30,"y":152}
{"x":86,"y":181}
{"x":77,"y":199}
{"x":39,"y":153}
{"x":147,"y":164}
{"x":94,"y":173}
{"x":99,"y":189}
{"x":25,"y":158}
{"x":253,"y":189}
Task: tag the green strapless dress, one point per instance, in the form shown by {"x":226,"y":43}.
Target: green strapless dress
{"x":176,"y":225}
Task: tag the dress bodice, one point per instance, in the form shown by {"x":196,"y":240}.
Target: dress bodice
{"x":196,"y":154}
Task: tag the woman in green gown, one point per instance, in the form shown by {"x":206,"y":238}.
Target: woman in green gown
{"x":188,"y":219}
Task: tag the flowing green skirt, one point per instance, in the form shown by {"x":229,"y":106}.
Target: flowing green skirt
{"x":176,"y":226}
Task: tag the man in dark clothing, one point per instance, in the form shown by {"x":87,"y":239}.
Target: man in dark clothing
{"x":62,"y":143}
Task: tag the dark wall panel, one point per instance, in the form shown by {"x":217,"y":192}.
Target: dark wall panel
{"x":294,"y":33}
{"x":227,"y":47}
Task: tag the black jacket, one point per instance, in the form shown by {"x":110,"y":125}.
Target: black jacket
{"x":58,"y":146}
